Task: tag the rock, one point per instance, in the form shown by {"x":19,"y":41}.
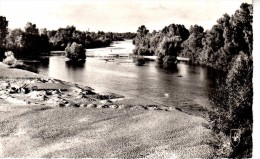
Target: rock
{"x":83,"y":105}
{"x":61,"y":104}
{"x":105,"y":106}
{"x":102,"y":106}
{"x":152,"y":108}
{"x":170,"y":109}
{"x":69,"y":104}
{"x":76,"y":89}
{"x":163,"y":108}
{"x":48,"y":92}
{"x":42,"y":80}
{"x":75,"y":105}
{"x":15,"y":86}
{"x":33,"y":81}
{"x":24,"y":90}
{"x":79,"y":96}
{"x":138,"y":107}
{"x":88,"y":92}
{"x":56,"y":95}
{"x":99,"y":106}
{"x":179,"y":109}
{"x":57,"y":101}
{"x":121,"y":106}
{"x":103,"y":101}
{"x":6,"y":85}
{"x":109,"y":101}
{"x":38,"y":95}
{"x":91,"y":105}
{"x":50,"y":81}
{"x":113,"y":106}
{"x":2,"y":92}
{"x":54,"y":92}
{"x":12,"y":90}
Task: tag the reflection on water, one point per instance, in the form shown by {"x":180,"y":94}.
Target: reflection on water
{"x":184,"y":84}
{"x":180,"y":86}
{"x":75,"y":65}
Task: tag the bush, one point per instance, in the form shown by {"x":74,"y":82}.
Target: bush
{"x":75,"y":52}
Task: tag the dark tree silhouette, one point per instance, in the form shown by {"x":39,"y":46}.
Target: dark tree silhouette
{"x":75,"y":52}
{"x":3,"y":33}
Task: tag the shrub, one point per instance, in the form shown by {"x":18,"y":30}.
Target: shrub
{"x":75,"y":52}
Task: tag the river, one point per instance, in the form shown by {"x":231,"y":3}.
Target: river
{"x":185,"y":86}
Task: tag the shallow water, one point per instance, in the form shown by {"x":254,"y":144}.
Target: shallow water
{"x":185,"y":86}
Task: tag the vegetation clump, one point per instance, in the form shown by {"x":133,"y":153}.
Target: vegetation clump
{"x":75,"y":52}
{"x":166,"y":44}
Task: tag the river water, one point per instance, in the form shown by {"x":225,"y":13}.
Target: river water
{"x":186,"y":85}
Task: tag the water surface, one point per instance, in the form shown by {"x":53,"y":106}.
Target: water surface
{"x":186,"y":85}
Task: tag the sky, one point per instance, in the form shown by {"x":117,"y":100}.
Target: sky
{"x":115,"y":15}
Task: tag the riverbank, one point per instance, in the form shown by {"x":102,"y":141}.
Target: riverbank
{"x":71,"y":120}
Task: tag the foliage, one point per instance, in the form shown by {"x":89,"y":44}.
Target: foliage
{"x":239,"y":83}
{"x":166,"y":44}
{"x":219,"y":45}
{"x":233,"y":105}
{"x":141,"y":41}
{"x":3,"y":29}
{"x":193,"y":45}
{"x":63,"y":36}
{"x":75,"y":52}
{"x":31,"y":42}
{"x":168,"y":47}
{"x":27,"y":42}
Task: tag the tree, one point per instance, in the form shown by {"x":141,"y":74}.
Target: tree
{"x":31,"y":29}
{"x":193,"y":45}
{"x":3,"y":33}
{"x":142,"y":31}
{"x":240,"y":100}
{"x":33,"y":44}
{"x":141,"y":41}
{"x":14,"y":40}
{"x":75,"y":52}
{"x":232,"y":53}
{"x":168,"y":49}
{"x":242,"y":25}
{"x":233,"y":106}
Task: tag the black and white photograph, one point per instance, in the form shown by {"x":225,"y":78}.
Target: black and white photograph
{"x":127,"y":79}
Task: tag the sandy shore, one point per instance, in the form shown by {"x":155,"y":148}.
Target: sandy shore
{"x":77,"y":122}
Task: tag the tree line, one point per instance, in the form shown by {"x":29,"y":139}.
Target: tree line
{"x":32,"y":42}
{"x":226,"y":47}
{"x":215,"y":47}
